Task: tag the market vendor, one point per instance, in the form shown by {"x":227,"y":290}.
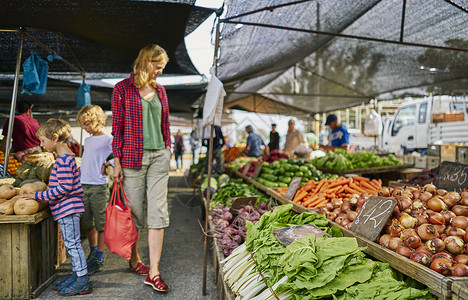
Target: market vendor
{"x":24,"y":130}
{"x":339,"y":135}
{"x":294,"y":138}
{"x":274,"y":138}
{"x":254,"y":142}
{"x":217,"y":158}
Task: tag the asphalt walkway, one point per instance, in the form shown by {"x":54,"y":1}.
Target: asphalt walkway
{"x":181,"y":263}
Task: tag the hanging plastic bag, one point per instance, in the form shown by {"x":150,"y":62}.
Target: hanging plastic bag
{"x":120,"y":233}
{"x":35,"y":72}
{"x":373,"y":124}
{"x":53,"y":56}
{"x":83,"y":97}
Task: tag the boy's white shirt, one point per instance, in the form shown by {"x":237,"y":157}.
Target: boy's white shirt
{"x":96,"y":151}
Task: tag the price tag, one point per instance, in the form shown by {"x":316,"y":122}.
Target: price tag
{"x":246,"y":169}
{"x":452,"y":176}
{"x":287,"y":236}
{"x":373,"y":216}
{"x":258,"y":169}
{"x":293,"y":186}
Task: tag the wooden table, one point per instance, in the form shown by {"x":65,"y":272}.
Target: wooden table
{"x":27,"y":254}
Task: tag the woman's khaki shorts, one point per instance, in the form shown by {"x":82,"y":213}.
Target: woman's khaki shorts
{"x":149,"y":182}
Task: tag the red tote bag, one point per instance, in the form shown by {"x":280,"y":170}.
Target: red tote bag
{"x":120,"y":233}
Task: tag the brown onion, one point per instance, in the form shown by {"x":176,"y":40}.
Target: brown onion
{"x":436,"y":218}
{"x":430,"y":188}
{"x":460,"y":270}
{"x":346,"y":207}
{"x":417,"y":193}
{"x":337,"y":202}
{"x":465,"y":238}
{"x":384,"y":192}
{"x":450,"y":200}
{"x":404,"y":203}
{"x":436,"y":204}
{"x":337,"y":211}
{"x":419,"y":205}
{"x":396,"y":228}
{"x":394,"y":243}
{"x":426,"y":250}
{"x":384,"y":239}
{"x":440,"y":228}
{"x":407,"y":221}
{"x":396,"y":212}
{"x":422,"y":219}
{"x":460,"y":210}
{"x":329,"y":206}
{"x":444,"y":254}
{"x":351,"y":215}
{"x":442,"y":192}
{"x":427,"y":232}
{"x":353,"y":200}
{"x":425,"y":196}
{"x":420,"y":257}
{"x":436,"y":245}
{"x":346,"y":223}
{"x":331,"y":215}
{"x":441,"y":265}
{"x":412,"y":241}
{"x":407,"y":194}
{"x":443,"y":236}
{"x":405,"y":251}
{"x":455,"y":195}
{"x":339,"y":220}
{"x":464,"y":201}
{"x":459,"y":222}
{"x":454,"y":245}
{"x":464,"y":193}
{"x":407,"y":232}
{"x":461,"y":259}
{"x":454,"y":231}
{"x":448,"y":215}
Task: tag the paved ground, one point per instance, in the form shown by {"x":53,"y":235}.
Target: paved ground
{"x":181,"y":264}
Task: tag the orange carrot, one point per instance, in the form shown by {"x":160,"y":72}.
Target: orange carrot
{"x":316,"y":201}
{"x":319,"y":186}
{"x":356,"y":187}
{"x":338,"y":183}
{"x":351,"y":191}
{"x":360,"y":178}
{"x":315,"y":197}
{"x":299,"y":196}
{"x":368,"y":186}
{"x":319,"y":205}
{"x":324,"y":187}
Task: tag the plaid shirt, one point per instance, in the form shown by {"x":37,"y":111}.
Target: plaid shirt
{"x":127,"y":122}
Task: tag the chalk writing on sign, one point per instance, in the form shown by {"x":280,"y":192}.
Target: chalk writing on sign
{"x":452,"y":176}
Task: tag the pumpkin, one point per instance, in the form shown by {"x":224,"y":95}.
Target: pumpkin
{"x":7,"y":191}
{"x":26,"y":207}
{"x":34,"y":159}
{"x":44,"y":168}
{"x":34,"y":187}
{"x":28,"y":181}
{"x":3,"y":200}
{"x":7,"y":208}
{"x":24,"y":171}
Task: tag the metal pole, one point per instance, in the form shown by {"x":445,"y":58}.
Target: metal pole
{"x":11,"y":121}
{"x":81,"y":142}
{"x":403,"y":14}
{"x":210,"y":162}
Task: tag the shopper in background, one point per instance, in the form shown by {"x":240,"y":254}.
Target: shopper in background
{"x":294,"y":138}
{"x":65,"y":197}
{"x":142,"y":153}
{"x":218,"y":157}
{"x":254,"y":142}
{"x":274,"y":138}
{"x":312,"y":139}
{"x":179,"y":149}
{"x":227,"y":142}
{"x":24,"y":130}
{"x":94,"y":181}
{"x":194,"y":145}
{"x":339,"y":136}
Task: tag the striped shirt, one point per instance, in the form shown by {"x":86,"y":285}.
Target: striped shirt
{"x":65,"y":194}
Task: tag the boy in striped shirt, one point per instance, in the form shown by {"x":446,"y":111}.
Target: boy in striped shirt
{"x":65,"y":197}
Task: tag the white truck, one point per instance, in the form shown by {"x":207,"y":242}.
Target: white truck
{"x":412,"y":127}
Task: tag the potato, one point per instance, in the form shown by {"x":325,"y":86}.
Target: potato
{"x":7,"y":208}
{"x":26,"y":207}
{"x":7,"y":191}
{"x":3,"y":200}
{"x":31,"y":188}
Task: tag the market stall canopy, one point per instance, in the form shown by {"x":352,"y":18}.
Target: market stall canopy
{"x":105,"y":35}
{"x":339,"y":53}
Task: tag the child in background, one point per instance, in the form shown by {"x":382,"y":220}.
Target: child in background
{"x":98,"y":147}
{"x":65,"y":197}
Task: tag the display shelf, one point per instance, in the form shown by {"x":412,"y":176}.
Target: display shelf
{"x":25,"y":219}
{"x":375,"y":170}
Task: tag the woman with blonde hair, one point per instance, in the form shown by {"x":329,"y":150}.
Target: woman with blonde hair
{"x":141,"y":148}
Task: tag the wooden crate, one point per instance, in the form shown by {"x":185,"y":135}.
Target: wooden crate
{"x":448,"y":152}
{"x":462,"y":154}
{"x":433,"y":150}
{"x":454,"y":117}
{"x":460,"y":290}
{"x":438,"y":118}
{"x":433,"y":162}
{"x":420,"y":162}
{"x":27,"y":250}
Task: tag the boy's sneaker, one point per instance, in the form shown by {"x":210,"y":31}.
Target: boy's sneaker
{"x":80,"y":286}
{"x":91,"y":255}
{"x":94,"y":265}
{"x":57,"y":285}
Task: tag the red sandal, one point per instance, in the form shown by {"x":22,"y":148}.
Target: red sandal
{"x":140,"y":269}
{"x":156,"y":282}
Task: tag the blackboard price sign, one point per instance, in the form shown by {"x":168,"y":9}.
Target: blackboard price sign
{"x":452,"y":176}
{"x":258,"y":169}
{"x":373,"y":216}
{"x":293,"y":186}
{"x":246,"y":169}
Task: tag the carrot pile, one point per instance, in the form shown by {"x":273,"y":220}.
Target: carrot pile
{"x":316,"y":194}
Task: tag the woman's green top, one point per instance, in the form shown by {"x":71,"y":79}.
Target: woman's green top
{"x":152,"y":134}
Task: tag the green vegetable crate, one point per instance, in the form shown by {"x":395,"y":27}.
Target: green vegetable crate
{"x":439,"y":285}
